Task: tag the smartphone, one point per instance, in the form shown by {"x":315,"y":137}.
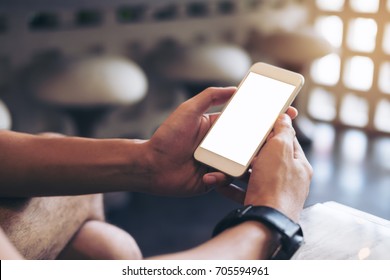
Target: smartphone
{"x":245,"y":122}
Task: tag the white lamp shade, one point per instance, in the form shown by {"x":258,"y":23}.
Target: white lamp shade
{"x":5,"y":117}
{"x":225,"y":63}
{"x":96,"y":81}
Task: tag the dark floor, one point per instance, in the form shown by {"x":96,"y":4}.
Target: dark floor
{"x":349,"y":168}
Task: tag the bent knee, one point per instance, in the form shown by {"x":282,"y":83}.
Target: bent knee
{"x":100,"y":240}
{"x":41,"y":227}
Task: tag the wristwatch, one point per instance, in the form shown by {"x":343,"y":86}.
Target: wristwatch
{"x":290,"y":232}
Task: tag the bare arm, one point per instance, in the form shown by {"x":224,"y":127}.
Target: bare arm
{"x":69,"y":165}
{"x":72,"y":165}
{"x":249,"y":240}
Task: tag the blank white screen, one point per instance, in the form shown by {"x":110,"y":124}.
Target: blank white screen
{"x":249,"y":115}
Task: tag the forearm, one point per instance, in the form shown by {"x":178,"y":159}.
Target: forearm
{"x":249,"y":240}
{"x":69,"y":165}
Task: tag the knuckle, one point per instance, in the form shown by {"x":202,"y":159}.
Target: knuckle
{"x":208,"y":91}
{"x":279,"y":140}
{"x":285,"y":121}
{"x":308,"y":169}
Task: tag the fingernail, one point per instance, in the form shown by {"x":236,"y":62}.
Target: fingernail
{"x":210,"y":180}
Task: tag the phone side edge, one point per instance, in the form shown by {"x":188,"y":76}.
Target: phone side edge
{"x":218,"y":162}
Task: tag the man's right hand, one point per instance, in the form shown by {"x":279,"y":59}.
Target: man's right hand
{"x":281,"y":174}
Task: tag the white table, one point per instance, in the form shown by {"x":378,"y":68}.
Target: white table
{"x":336,"y":232}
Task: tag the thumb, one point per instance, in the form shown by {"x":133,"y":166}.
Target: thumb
{"x":212,"y":96}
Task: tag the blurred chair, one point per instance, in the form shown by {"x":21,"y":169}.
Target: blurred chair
{"x":221,"y":63}
{"x":291,"y":49}
{"x":87,"y":87}
{"x":201,"y":65}
{"x":96,"y":81}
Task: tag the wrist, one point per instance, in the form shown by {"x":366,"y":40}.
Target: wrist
{"x":138,"y":167}
{"x":259,"y":235}
{"x":290,"y":232}
{"x":287,"y":207}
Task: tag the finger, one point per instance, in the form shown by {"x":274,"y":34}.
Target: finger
{"x":292,"y":112}
{"x":211,"y":97}
{"x":232,"y":192}
{"x":284,"y":135}
{"x":283,"y":126}
{"x":216,"y":179}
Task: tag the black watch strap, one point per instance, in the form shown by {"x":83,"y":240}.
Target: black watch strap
{"x":290,"y":232}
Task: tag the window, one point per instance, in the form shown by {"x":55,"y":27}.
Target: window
{"x":358,"y":73}
{"x":168,"y":12}
{"x":352,"y":86}
{"x":382,"y":115}
{"x":330,"y":27}
{"x":364,"y":6}
{"x":45,"y":21}
{"x":197,"y":9}
{"x":330,"y":5}
{"x":326,"y":70}
{"x":131,"y":14}
{"x":354,"y":110}
{"x":86,"y":18}
{"x":386,"y":39}
{"x":253,"y":4}
{"x":384,"y":77}
{"x":362,"y":34}
{"x":322,"y":104}
{"x":226,"y":7}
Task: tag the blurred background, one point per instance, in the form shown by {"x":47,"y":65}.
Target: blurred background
{"x":118,"y":68}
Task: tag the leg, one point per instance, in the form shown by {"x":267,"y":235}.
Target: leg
{"x":8,"y":250}
{"x":100,"y":240}
{"x":41,"y":227}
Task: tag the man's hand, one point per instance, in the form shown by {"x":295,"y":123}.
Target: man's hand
{"x":223,"y":182}
{"x":175,"y":172}
{"x":281,"y":173}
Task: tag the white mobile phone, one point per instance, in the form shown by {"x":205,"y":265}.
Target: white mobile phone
{"x":248,"y":118}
